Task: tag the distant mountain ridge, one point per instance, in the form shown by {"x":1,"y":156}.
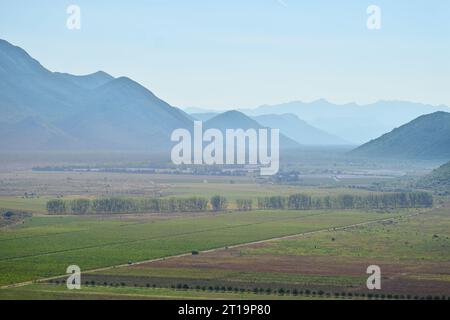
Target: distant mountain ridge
{"x":427,"y":137}
{"x":298,"y":130}
{"x":53,"y":111}
{"x":44,"y":110}
{"x":237,"y":120}
{"x":204,"y":116}
{"x":354,"y":123}
{"x":90,"y":81}
{"x":290,"y":126}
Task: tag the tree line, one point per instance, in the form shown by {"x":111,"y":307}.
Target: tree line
{"x":348,"y":201}
{"x":220,"y":203}
{"x":127,"y":205}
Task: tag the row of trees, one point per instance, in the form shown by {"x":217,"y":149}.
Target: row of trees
{"x":127,"y":205}
{"x":264,"y":291}
{"x":219,"y":203}
{"x":348,"y":201}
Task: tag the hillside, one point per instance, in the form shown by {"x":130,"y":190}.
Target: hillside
{"x":438,"y":180}
{"x":44,"y":110}
{"x":427,"y":137}
{"x":27,"y":89}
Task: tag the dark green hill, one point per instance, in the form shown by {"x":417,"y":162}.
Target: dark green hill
{"x":427,"y":137}
{"x":439,"y":179}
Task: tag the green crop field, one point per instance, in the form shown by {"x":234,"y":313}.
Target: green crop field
{"x":413,"y":252}
{"x":24,"y":204}
{"x":44,"y":246}
{"x":424,"y":238}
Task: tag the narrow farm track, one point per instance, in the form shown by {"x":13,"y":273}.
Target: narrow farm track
{"x":287,"y":237}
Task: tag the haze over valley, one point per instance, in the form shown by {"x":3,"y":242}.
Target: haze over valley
{"x":239,"y":150}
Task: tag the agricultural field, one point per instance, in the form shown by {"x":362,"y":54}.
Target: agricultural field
{"x":412,"y":252}
{"x":44,"y":246}
{"x":230,"y":254}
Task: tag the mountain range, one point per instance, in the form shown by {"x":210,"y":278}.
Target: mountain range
{"x":353,"y":123}
{"x":290,"y":126}
{"x":44,"y":110}
{"x":236,"y":120}
{"x":295,"y":128}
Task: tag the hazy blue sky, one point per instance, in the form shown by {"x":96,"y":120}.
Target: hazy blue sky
{"x":244,"y":53}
